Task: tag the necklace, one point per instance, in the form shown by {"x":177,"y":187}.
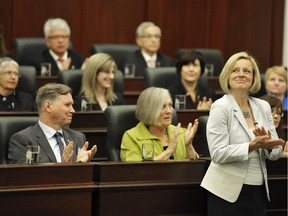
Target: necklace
{"x":246,"y":114}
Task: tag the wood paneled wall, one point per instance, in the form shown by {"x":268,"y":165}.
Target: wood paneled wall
{"x":229,"y":25}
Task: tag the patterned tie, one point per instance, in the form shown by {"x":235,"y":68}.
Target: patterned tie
{"x":58,"y":136}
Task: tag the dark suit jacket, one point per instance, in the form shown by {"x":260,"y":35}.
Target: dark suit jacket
{"x":76,"y":61}
{"x":202,"y":91}
{"x":78,"y":100}
{"x":140,"y":63}
{"x":34,"y":135}
{"x":21,"y":102}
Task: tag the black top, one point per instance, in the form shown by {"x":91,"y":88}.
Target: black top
{"x":78,"y":100}
{"x":17,"y":101}
{"x":140,"y":63}
{"x":76,"y":61}
{"x":202,"y":91}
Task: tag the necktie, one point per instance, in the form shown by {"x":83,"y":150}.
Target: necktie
{"x":61,"y":60}
{"x":151,"y":63}
{"x":58,"y":136}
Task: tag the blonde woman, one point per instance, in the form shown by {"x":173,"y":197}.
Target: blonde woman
{"x":97,"y":83}
{"x":276,"y":83}
{"x":241,"y":135}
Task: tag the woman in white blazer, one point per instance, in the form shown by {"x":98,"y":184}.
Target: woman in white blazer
{"x":240,"y":134}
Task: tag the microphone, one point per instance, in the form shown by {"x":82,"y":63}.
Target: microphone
{"x":255,"y":124}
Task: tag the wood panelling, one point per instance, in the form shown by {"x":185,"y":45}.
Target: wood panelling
{"x":229,"y":25}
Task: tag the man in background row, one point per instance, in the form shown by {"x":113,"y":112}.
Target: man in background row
{"x":57,"y":35}
{"x":148,"y":38}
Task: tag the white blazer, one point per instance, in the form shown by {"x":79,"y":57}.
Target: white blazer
{"x":228,"y":139}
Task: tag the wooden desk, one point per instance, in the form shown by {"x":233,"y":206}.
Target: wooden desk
{"x":44,"y":80}
{"x":149,"y":188}
{"x":46,"y":189}
{"x":118,"y":188}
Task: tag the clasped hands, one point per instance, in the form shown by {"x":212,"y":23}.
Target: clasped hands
{"x":264,"y":140}
{"x":84,"y":155}
{"x":189,"y":135}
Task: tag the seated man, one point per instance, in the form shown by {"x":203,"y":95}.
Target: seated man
{"x":148,"y":37}
{"x":10,"y":98}
{"x":57,"y":36}
{"x":58,"y":143}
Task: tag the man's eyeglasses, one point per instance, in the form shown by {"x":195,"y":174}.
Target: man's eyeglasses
{"x":10,"y":73}
{"x":57,"y":37}
{"x":149,"y":36}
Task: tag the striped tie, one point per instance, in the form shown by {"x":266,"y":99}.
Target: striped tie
{"x":58,"y":136}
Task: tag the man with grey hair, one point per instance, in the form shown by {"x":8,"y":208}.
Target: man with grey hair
{"x":148,"y":38}
{"x":57,"y":36}
{"x":10,"y":98}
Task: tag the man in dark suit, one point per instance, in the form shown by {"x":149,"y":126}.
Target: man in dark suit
{"x":10,"y":98}
{"x":57,"y":142}
{"x":148,"y":37}
{"x":57,"y":35}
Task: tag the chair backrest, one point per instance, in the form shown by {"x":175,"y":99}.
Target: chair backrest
{"x":121,"y":118}
{"x":210,"y":56}
{"x":202,"y":132}
{"x":119,"y":52}
{"x":28,"y":79}
{"x":73,"y":78}
{"x":25,"y":48}
{"x":160,"y":77}
{"x":9,"y":126}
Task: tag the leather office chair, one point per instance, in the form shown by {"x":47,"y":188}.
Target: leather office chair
{"x":119,"y":119}
{"x":210,"y":56}
{"x":119,"y":52}
{"x":73,"y":78}
{"x":28,"y":79}
{"x":10,"y":125}
{"x":202,"y":131}
{"x":27,"y":47}
{"x":160,"y":77}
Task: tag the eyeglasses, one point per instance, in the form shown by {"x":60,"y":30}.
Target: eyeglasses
{"x":57,"y":37}
{"x":149,"y":36}
{"x":10,"y":73}
{"x":276,"y":112}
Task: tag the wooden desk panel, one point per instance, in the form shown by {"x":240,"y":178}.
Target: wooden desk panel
{"x":118,"y":188}
{"x":44,"y":80}
{"x":46,"y":189}
{"x":134,"y":84}
{"x":149,"y":188}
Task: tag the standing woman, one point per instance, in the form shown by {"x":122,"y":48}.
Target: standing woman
{"x":97,"y":83}
{"x":241,"y":135}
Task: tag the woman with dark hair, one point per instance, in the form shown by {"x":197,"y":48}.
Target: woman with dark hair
{"x":190,"y":67}
{"x":277,"y":114}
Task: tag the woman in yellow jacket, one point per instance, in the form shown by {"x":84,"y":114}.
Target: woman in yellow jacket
{"x":154,"y":111}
